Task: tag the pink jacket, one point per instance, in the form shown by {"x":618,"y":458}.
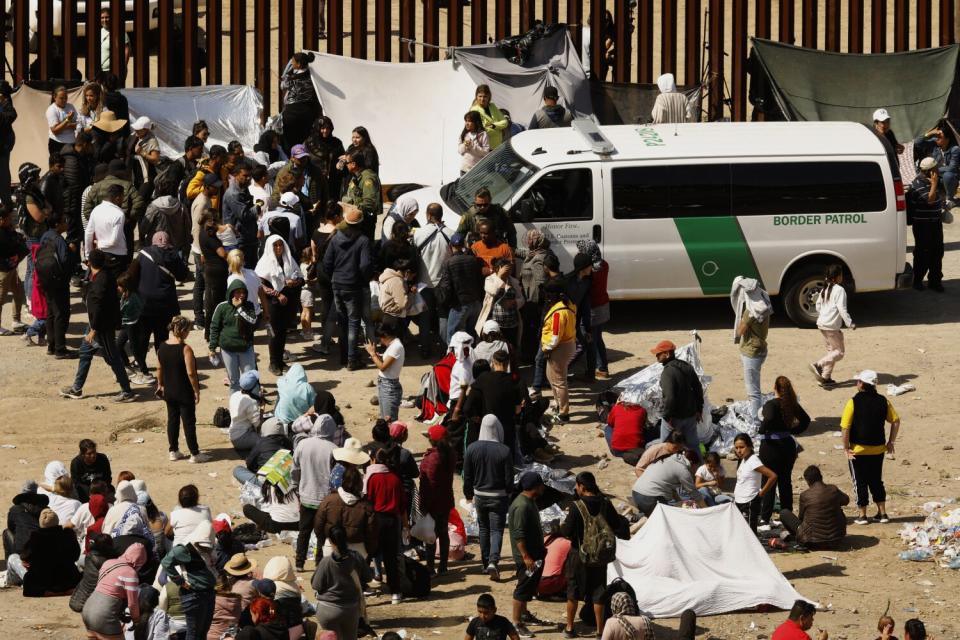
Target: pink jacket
{"x":119,"y":579}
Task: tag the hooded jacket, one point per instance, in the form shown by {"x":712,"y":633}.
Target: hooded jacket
{"x":126,"y":497}
{"x":88,"y":581}
{"x":231,"y":327}
{"x":488,"y":463}
{"x":295,"y":396}
{"x":436,"y":482}
{"x":52,"y":553}
{"x":184,"y":563}
{"x":133,"y":205}
{"x":394,"y":297}
{"x":272,"y":440}
{"x":347,"y":259}
{"x":312,"y":461}
{"x":333,"y":580}
{"x":167,"y":213}
{"x":118,"y":578}
{"x":157,"y":270}
{"x":550,"y":117}
{"x":355,"y":515}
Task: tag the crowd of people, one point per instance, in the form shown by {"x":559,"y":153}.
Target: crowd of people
{"x":285,"y":245}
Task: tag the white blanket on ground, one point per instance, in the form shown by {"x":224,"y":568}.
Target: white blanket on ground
{"x":707,"y":560}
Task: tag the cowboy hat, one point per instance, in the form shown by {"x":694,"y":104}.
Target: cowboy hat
{"x":240,"y":565}
{"x":352,"y":452}
{"x":109,"y":122}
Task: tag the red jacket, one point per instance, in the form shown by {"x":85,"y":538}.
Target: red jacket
{"x":385,"y":492}
{"x":598,"y":286}
{"x":627,"y":423}
{"x":436,"y":483}
{"x":790,"y":630}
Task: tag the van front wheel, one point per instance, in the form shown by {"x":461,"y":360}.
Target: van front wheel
{"x":800,"y":293}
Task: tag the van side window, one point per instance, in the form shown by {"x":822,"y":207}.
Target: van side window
{"x":565,"y":194}
{"x":807,"y":187}
{"x":676,"y":191}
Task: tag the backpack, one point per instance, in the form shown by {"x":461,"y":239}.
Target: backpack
{"x":414,"y":578}
{"x":50,"y":271}
{"x":221,"y":418}
{"x":599,"y":546}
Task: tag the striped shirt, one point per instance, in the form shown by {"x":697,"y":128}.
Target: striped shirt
{"x":118,"y":579}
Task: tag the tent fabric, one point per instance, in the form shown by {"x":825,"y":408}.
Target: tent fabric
{"x":707,"y":560}
{"x":632,"y":103}
{"x":805,"y":84}
{"x":231,"y":111}
{"x":424,"y":102}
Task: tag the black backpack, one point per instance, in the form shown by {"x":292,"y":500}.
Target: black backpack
{"x":50,"y":271}
{"x":414,"y":578}
{"x":221,"y":418}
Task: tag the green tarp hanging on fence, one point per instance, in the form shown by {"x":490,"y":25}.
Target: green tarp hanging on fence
{"x":806,"y":84}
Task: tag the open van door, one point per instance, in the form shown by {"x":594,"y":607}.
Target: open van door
{"x":566,"y":204}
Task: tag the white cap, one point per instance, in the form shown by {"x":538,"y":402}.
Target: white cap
{"x":881,"y":115}
{"x":289,"y":199}
{"x":927,"y":164}
{"x":867,"y":376}
{"x":141,"y":123}
{"x":491,"y":326}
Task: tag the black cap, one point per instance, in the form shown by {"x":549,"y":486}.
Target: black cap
{"x":582,"y":261}
{"x":551,"y":93}
{"x":530,"y":480}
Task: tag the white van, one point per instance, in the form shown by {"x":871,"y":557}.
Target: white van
{"x":680,"y":210}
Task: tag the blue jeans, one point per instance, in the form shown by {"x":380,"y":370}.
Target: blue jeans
{"x":713,"y":500}
{"x":751,"y":378}
{"x":462,"y":318}
{"x":599,"y":347}
{"x":106,"y":344}
{"x":686,"y":426}
{"x":389,"y":394}
{"x":237,"y":363}
{"x":608,"y":436}
{"x":491,"y":518}
{"x":539,"y":370}
{"x":242,"y":474}
{"x":199,"y":287}
{"x":349,"y":304}
{"x":950,"y":181}
{"x":28,"y":277}
{"x":198,"y":611}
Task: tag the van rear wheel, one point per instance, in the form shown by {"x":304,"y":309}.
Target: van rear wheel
{"x":800,"y":294}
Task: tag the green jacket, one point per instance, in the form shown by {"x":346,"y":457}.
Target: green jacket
{"x":363,"y":191}
{"x":133,"y":205}
{"x":185,"y":563}
{"x":231,"y":328}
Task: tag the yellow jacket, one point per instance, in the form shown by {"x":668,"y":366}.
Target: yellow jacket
{"x":559,"y":325}
{"x":494,"y":124}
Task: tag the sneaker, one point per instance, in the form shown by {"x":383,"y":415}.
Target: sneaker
{"x":307,"y":335}
{"x":375,"y":584}
{"x":320,"y":348}
{"x":19,"y":327}
{"x":275,"y":370}
{"x":396,"y":599}
{"x":493,"y":572}
{"x":5,"y":332}
{"x":288,"y":357}
{"x":563,"y":417}
{"x":817,"y":372}
{"x":71,"y":392}
{"x":176,"y":455}
{"x":602,"y":374}
{"x":28,"y":340}
{"x":408,"y":404}
{"x":143,"y":379}
{"x":523,"y":632}
{"x":569,"y":633}
{"x":198,"y":458}
{"x":881,"y":518}
{"x":124,"y":396}
{"x":529,"y":618}
{"x":861,"y":520}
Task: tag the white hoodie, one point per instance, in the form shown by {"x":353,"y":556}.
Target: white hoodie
{"x":833,"y":310}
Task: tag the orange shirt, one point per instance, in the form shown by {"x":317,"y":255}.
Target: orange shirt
{"x":489,"y":255}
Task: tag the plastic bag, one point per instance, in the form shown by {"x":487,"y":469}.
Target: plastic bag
{"x":425,"y":529}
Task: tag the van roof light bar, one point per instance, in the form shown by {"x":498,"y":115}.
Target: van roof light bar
{"x":591,"y":133}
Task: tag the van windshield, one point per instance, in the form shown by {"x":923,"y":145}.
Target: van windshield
{"x":502,"y":171}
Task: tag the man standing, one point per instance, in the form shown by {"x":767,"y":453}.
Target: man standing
{"x":682,"y":396}
{"x":526,"y":542}
{"x":865,"y":443}
{"x":77,"y":174}
{"x":821,"y":521}
{"x":579,"y":283}
{"x":495,"y":392}
{"x":105,"y":64}
{"x":8,"y":115}
{"x":348,"y":264}
{"x":481,"y":210}
{"x":881,"y":126}
{"x":926,"y":207}
{"x":363,"y":191}
{"x":103,"y":310}
{"x":55,"y":264}
{"x":797,"y":624}
{"x":551,"y":115}
{"x":132,"y":204}
{"x":203,"y":203}
{"x":192,"y":152}
{"x":489,"y":248}
{"x":433,"y":243}
{"x":460,"y":288}
{"x":105,"y":229}
{"x":238,"y":210}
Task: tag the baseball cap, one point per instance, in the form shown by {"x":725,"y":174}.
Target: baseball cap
{"x":881,"y":115}
{"x":530,"y":480}
{"x":298,"y":151}
{"x":662,"y":346}
{"x":141,"y":123}
{"x":289,"y":199}
{"x":265,"y":587}
{"x":867,"y":376}
{"x":582,"y":261}
{"x":491,"y":326}
{"x":212,"y":180}
{"x":551,"y":93}
{"x":456,"y":240}
{"x":927,"y":164}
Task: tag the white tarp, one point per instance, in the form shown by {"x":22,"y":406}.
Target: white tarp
{"x":707,"y":560}
{"x":232,"y":112}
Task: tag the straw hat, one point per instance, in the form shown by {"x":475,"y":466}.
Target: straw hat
{"x":352,"y":452}
{"x":240,"y":565}
{"x":109,"y":122}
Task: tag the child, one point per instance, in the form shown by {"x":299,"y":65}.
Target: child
{"x":12,"y":250}
{"x":488,"y":625}
{"x":750,"y":473}
{"x":708,"y":479}
{"x":88,"y":467}
{"x":474,"y":144}
{"x":179,"y":387}
{"x":832,"y":315}
{"x":154,"y":623}
{"x":885,"y":626}
{"x":227,"y":236}
{"x":131,"y":306}
{"x":389,"y":391}
{"x":308,"y":294}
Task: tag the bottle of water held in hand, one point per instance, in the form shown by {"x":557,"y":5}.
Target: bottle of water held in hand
{"x":536,"y":567}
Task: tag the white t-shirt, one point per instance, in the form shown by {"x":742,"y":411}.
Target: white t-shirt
{"x":56,"y":115}
{"x":184,"y":521}
{"x":82,"y":518}
{"x":397,"y":352}
{"x":63,"y":507}
{"x":283,"y":511}
{"x":749,"y":480}
{"x":244,"y":414}
{"x":704,"y":474}
{"x":460,"y":376}
{"x":261,"y":193}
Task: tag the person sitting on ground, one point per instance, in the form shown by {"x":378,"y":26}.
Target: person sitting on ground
{"x":99,"y":551}
{"x":487,"y":625}
{"x":624,"y":430}
{"x":227,"y":606}
{"x":188,"y":516}
{"x":58,"y":487}
{"x":267,"y":625}
{"x":116,"y":591}
{"x":272,"y":439}
{"x":625,"y":621}
{"x":88,"y":467}
{"x":709,"y":479}
{"x":246,"y":414}
{"x":665,"y":481}
{"x":154,"y":622}
{"x":821,"y":521}
{"x":279,"y":501}
{"x":913,"y":629}
{"x":50,"y":558}
{"x":655,"y":451}
{"x":553,"y":583}
{"x":798,"y":622}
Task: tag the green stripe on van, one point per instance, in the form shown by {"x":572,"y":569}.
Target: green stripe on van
{"x":717,"y":250}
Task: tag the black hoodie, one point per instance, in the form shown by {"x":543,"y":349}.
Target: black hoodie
{"x":347,"y":259}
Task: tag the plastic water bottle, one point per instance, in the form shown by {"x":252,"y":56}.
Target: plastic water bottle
{"x":536,"y":567}
{"x":917,"y":555}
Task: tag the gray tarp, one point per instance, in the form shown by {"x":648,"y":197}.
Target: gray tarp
{"x":632,"y":103}
{"x":805,"y":84}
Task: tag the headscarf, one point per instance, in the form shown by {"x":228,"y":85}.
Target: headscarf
{"x":667,"y":83}
{"x":294,"y":394}
{"x":459,"y":340}
{"x":98,"y":509}
{"x":271,"y":427}
{"x":325,"y":403}
{"x":274,"y":271}
{"x":621,"y":604}
{"x":491,"y":430}
{"x":53,"y":471}
{"x":590,"y":248}
{"x":281,"y":571}
{"x":407,"y":207}
{"x":325,"y":428}
{"x":161,"y":239}
{"x":398,"y":430}
{"x":535,"y":239}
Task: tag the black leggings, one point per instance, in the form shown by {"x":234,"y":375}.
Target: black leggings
{"x":281,"y":315}
{"x":751,"y":511}
{"x":390,"y":549}
{"x":867,"y":472}
{"x":307,"y":515}
{"x":214,"y":293}
{"x":443,"y":535}
{"x":187,"y":412}
{"x":779,"y":456}
{"x":264,"y":522}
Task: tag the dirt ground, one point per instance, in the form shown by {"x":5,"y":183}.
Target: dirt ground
{"x":905,"y":336}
